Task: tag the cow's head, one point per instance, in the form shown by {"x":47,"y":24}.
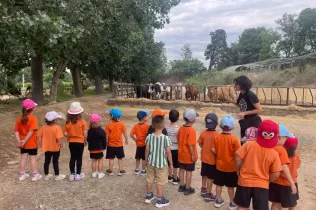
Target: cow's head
{"x":212,"y":92}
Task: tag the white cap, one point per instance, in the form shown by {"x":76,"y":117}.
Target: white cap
{"x":190,"y":114}
{"x":50,"y":116}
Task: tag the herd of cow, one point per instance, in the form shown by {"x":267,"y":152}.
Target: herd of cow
{"x":181,"y":92}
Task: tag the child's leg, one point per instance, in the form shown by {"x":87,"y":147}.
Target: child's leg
{"x":181,"y":177}
{"x":149,"y":187}
{"x":48,"y":157}
{"x":55,"y":162}
{"x":188,"y":178}
{"x":292,"y":208}
{"x":231,"y":193}
{"x":79,"y":158}
{"x":204,"y":181}
{"x":209,"y":185}
{"x":159,"y":191}
{"x":175,"y":173}
{"x":100,"y":165}
{"x":137,"y":163}
{"x":93,"y":165}
{"x":276,"y":206}
{"x":120,"y":163}
{"x":23,"y":161}
{"x":170,"y":172}
{"x":143,"y":165}
{"x":73,"y":157}
{"x":111,"y":164}
{"x":33,"y":164}
{"x":218,"y":192}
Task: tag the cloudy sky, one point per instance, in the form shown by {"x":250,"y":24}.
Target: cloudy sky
{"x":192,"y":21}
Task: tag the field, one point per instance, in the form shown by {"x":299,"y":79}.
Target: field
{"x":127,"y":192}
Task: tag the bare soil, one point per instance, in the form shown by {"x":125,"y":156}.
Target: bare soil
{"x":127,"y":192}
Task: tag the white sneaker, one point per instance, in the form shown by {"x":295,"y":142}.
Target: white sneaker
{"x":24,"y":176}
{"x":78,"y":177}
{"x":60,"y":177}
{"x":36,"y":177}
{"x":94,"y":174}
{"x":48,"y":176}
{"x":82,"y":175}
{"x":101,"y":175}
{"x":72,"y":177}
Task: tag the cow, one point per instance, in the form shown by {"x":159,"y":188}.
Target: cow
{"x":221,"y":93}
{"x":142,"y":91}
{"x":192,"y":92}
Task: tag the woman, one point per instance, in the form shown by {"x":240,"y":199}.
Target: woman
{"x":248,"y":103}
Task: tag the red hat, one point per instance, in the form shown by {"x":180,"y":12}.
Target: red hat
{"x":267,"y":134}
{"x":291,"y":142}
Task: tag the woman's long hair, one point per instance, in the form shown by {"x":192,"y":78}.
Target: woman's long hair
{"x":73,"y":118}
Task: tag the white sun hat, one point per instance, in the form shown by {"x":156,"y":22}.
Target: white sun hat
{"x":50,"y":116}
{"x":75,"y":108}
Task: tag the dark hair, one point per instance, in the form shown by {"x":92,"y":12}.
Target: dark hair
{"x":157,"y":121}
{"x":243,"y":82}
{"x":116,"y":119}
{"x":50,"y":122}
{"x":25,"y":113}
{"x":174,"y":115}
{"x":73,"y":118}
{"x":291,"y":151}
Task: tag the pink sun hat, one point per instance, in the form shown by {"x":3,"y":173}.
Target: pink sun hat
{"x":95,"y":118}
{"x":75,"y":108}
{"x":28,"y":104}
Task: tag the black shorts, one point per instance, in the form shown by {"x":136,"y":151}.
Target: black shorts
{"x":282,"y":194}
{"x":115,"y":152}
{"x":31,"y":152}
{"x":228,"y":179}
{"x":140,"y":153}
{"x":208,"y":170}
{"x":259,"y":196}
{"x":96,"y":155}
{"x":175,"y":161}
{"x":187,"y":167}
{"x":249,"y":122}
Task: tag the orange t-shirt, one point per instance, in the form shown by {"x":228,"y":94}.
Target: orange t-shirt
{"x":23,"y":129}
{"x":284,"y":158}
{"x":258,"y":163}
{"x":225,"y":145}
{"x":186,"y":138}
{"x":76,"y":131}
{"x":206,"y":140}
{"x":140,"y":130}
{"x":114,"y":130}
{"x":50,"y":135}
{"x":295,"y":163}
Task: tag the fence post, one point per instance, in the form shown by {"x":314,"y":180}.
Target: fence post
{"x":287,"y":95}
{"x":114,"y":92}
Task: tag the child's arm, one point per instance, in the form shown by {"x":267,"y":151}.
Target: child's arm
{"x":133,"y":137}
{"x":214,"y":151}
{"x":85,"y":133}
{"x":147,"y":152}
{"x":39,"y":139}
{"x":274,"y":176}
{"x":191,"y":148}
{"x":238,"y":162}
{"x":28,"y":136}
{"x":17,"y":137}
{"x":60,"y":142}
{"x":126,"y":137}
{"x":169,"y":155}
{"x":287,"y":174}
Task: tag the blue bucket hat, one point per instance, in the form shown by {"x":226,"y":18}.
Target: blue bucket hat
{"x":284,"y":131}
{"x":115,"y":112}
{"x":228,"y":121}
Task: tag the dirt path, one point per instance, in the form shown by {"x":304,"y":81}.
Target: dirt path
{"x":120,"y":193}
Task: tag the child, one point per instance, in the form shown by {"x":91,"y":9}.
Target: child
{"x":96,"y":145}
{"x":154,"y":113}
{"x":172,"y":130}
{"x":139,"y":134}
{"x":157,"y":152}
{"x":114,"y":131}
{"x":257,"y":163}
{"x":250,"y":135}
{"x":282,"y":192}
{"x":295,"y":161}
{"x":187,"y":151}
{"x":51,"y":136}
{"x":224,"y":147}
{"x":76,"y":132}
{"x":208,"y":159}
{"x":25,"y":134}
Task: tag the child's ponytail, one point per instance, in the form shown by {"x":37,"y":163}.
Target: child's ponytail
{"x":25,"y":117}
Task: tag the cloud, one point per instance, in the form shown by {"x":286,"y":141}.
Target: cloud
{"x":193,"y":20}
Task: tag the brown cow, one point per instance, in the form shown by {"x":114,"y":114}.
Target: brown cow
{"x":192,"y":92}
{"x":221,"y":93}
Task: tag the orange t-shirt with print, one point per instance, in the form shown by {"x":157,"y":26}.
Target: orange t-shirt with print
{"x":284,"y":158}
{"x":206,"y":140}
{"x":186,"y":138}
{"x":115,"y":130}
{"x":258,"y":163}
{"x":50,"y":135}
{"x":295,"y":163}
{"x":140,"y":130}
{"x":23,"y":129}
{"x":225,"y":145}
{"x":76,"y":131}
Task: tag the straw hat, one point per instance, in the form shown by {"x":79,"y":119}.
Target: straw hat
{"x":75,"y":108}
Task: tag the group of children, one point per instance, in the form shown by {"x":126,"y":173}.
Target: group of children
{"x":263,"y":169}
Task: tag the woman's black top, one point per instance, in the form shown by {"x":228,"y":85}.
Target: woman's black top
{"x":246,"y":102}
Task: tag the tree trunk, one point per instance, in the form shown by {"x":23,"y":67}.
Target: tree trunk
{"x":76,"y":79}
{"x":37,"y":79}
{"x":56,"y":75}
{"x":111,"y":81}
{"x":98,"y":85}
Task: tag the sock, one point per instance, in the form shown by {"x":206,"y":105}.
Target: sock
{"x":22,"y":172}
{"x":158,"y":199}
{"x":149,"y":193}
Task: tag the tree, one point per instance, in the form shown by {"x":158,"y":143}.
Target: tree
{"x":307,"y":30}
{"x":217,"y":51}
{"x":186,"y":52}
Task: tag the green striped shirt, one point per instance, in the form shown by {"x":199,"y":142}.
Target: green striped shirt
{"x":157,"y":156}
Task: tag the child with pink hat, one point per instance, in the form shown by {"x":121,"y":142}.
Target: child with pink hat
{"x":96,"y":145}
{"x":25,"y":130}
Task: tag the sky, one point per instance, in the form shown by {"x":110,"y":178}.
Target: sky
{"x":191,"y":21}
